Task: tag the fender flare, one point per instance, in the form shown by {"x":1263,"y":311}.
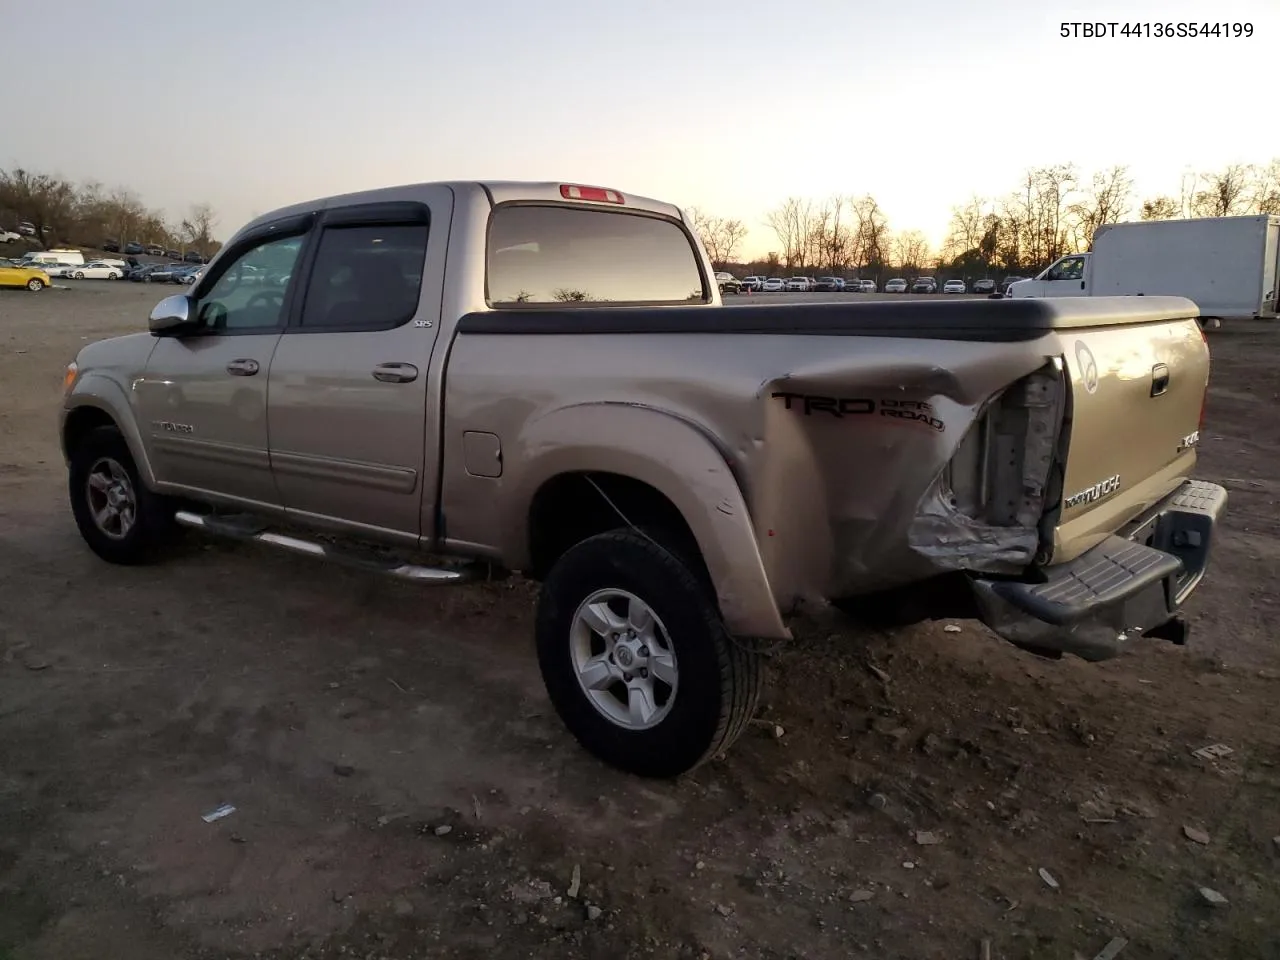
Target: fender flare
{"x":104,"y":394}
{"x":677,"y":459}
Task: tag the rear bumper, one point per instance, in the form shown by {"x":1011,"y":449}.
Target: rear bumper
{"x":1132,"y":583}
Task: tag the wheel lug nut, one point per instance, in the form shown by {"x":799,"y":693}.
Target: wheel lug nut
{"x":643,"y":651}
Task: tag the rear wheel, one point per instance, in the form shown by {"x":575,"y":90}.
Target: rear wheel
{"x":637,"y":660}
{"x":119,"y":518}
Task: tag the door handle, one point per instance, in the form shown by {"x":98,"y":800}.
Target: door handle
{"x":395,"y":372}
{"x":1159,"y":379}
{"x":242,"y":368}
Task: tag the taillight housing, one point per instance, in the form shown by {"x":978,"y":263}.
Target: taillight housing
{"x":575,"y":191}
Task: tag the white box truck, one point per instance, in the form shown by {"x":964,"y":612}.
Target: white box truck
{"x":1228,"y":266}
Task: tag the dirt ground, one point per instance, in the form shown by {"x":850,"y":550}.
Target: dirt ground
{"x":351,"y":720}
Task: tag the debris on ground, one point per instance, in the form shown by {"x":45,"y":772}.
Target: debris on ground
{"x":984,"y":950}
{"x":1112,"y":949}
{"x":343,"y":769}
{"x":225,"y":810}
{"x":1050,"y":881}
{"x":1214,"y":751}
{"x":593,"y":912}
{"x":443,"y":830}
{"x":575,"y":883}
{"x":1199,"y":836}
{"x":724,"y":910}
{"x":860,"y":896}
{"x":1213,"y":897}
{"x":927,"y":839}
{"x":952,"y":628}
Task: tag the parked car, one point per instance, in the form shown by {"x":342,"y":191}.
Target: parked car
{"x":134,"y":247}
{"x":8,"y":236}
{"x":954,"y":286}
{"x":924,"y":285}
{"x":27,"y":228}
{"x":984,"y":286}
{"x":828,"y":284}
{"x":192,"y":257}
{"x":1004,"y":284}
{"x":60,"y":271}
{"x":774,"y":285}
{"x":861,"y":286}
{"x":57,"y":255}
{"x":165,"y":273}
{"x":896,"y":285}
{"x":801,"y":284}
{"x":728,"y":283}
{"x":142,"y":272}
{"x":111,"y":245}
{"x":191,"y":275}
{"x":97,"y":270}
{"x":752,"y":283}
{"x":34,"y":277}
{"x":641,"y":521}
{"x":173,"y":254}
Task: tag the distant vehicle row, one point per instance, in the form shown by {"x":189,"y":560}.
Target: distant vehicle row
{"x":728,"y":283}
{"x":133,"y":247}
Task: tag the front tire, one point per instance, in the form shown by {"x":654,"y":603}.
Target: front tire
{"x":637,"y":660}
{"x":119,"y":518}
{"x":35,"y":284}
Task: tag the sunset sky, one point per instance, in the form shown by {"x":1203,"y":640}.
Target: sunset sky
{"x":729,"y":107}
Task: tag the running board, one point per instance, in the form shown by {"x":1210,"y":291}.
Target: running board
{"x":251,"y":530}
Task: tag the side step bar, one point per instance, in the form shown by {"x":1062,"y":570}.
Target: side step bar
{"x":250,"y":530}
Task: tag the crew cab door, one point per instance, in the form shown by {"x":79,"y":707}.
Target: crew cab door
{"x":202,"y":400}
{"x":348,"y":383}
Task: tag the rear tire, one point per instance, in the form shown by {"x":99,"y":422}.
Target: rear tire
{"x":119,"y":518}
{"x":703,"y":686}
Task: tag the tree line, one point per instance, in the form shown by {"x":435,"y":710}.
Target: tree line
{"x":1054,"y":210}
{"x":86,"y":214}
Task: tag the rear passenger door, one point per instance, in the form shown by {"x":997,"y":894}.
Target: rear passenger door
{"x":346,"y":410}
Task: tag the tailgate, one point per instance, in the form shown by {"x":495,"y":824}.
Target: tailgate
{"x":1137,"y":396}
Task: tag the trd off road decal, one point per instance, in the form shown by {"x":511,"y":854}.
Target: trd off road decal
{"x":908,"y":411}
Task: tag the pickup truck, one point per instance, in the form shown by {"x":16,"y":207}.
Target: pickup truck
{"x":467,"y":380}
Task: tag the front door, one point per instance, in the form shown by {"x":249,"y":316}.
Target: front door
{"x":203,"y":398}
{"x":348,"y":399}
{"x":1066,"y":278}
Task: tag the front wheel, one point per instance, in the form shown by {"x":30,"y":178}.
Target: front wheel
{"x":119,"y":518}
{"x":35,"y":284}
{"x":637,"y":660}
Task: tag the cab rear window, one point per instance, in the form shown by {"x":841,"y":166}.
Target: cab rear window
{"x":549,"y":254}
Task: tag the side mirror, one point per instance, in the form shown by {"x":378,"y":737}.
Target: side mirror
{"x":172,"y":317}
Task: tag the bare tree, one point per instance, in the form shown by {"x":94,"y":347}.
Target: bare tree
{"x":1266,"y":188}
{"x":46,"y":201}
{"x":720,"y":236}
{"x":794,"y":223}
{"x":1224,"y":193}
{"x":968,"y":226}
{"x":1106,"y":201}
{"x":197,"y":228}
{"x":1160,"y":208}
{"x":911,"y":250}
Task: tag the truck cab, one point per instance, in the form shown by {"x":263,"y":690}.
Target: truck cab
{"x":1066,"y":277}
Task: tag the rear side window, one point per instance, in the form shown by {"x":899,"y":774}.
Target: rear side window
{"x":366,"y":277}
{"x":557,"y":254}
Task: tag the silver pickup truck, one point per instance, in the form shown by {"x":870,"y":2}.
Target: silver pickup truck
{"x":454,"y":381}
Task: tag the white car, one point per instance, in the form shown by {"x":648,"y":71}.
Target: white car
{"x":773,"y":285}
{"x":59,"y":269}
{"x":97,"y":270}
{"x":862,"y":286}
{"x":799,"y":283}
{"x":896,"y":286}
{"x":753,"y":283}
{"x":954,"y":286}
{"x":8,"y":236}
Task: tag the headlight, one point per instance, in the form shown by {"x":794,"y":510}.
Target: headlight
{"x":69,"y":378}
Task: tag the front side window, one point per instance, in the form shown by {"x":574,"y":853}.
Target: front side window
{"x":558,"y":254}
{"x":366,"y":277}
{"x":1072,"y":269}
{"x":249,"y":293}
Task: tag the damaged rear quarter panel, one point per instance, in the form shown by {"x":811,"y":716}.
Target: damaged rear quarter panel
{"x":832,"y":496}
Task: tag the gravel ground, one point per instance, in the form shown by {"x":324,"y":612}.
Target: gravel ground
{"x":403,"y":789}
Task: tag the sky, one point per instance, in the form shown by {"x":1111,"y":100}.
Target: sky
{"x":254,"y":104}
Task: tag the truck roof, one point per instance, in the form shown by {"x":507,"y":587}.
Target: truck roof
{"x":499,"y":191}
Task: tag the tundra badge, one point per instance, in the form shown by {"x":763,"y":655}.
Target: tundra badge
{"x":1103,"y":488}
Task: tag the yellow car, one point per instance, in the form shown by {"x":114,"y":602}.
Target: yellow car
{"x":33,"y":278}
